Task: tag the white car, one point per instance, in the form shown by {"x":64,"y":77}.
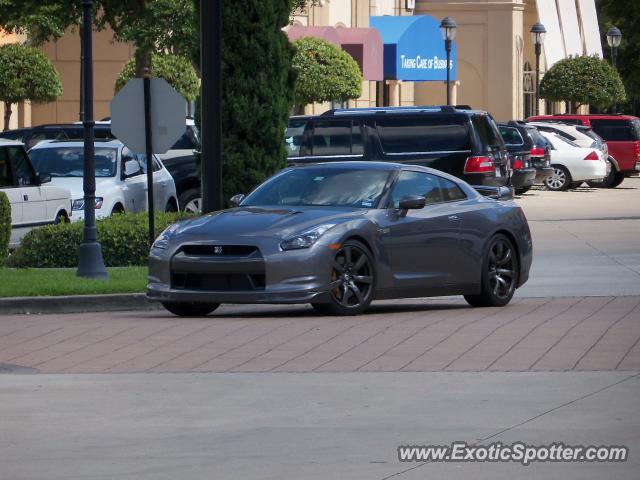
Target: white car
{"x":121,"y":180}
{"x":572,"y":164}
{"x":32,"y":202}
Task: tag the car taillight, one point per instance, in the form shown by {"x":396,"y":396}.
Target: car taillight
{"x":517,"y":164}
{"x":537,"y":152}
{"x":478,"y":165}
{"x":636,"y":146}
{"x":592,"y":156}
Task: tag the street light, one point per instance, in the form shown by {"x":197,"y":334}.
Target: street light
{"x":448,"y":28}
{"x":537,"y":37}
{"x":614,"y":37}
{"x":90,"y":262}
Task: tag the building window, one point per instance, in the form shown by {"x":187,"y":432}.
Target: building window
{"x":529,"y":90}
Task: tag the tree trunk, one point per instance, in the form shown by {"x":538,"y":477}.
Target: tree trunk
{"x":143,"y":60}
{"x":7,"y":115}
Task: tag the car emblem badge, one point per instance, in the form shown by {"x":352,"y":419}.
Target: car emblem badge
{"x":217,"y":250}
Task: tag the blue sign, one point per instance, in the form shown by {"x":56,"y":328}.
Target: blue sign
{"x":414,"y":48}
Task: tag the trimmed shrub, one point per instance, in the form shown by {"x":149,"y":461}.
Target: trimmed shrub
{"x":124,"y":241}
{"x":5,"y":226}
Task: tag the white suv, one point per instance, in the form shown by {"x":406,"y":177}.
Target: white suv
{"x":121,"y":180}
{"x":32,"y":203}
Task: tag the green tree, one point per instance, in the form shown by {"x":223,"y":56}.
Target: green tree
{"x":176,"y":70}
{"x":257,"y":91}
{"x":324,"y":72}
{"x":26,"y":74}
{"x":581,"y":81}
{"x":626,"y":16}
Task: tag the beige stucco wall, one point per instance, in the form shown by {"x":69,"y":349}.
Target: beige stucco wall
{"x":490,"y":47}
{"x":108,"y":59}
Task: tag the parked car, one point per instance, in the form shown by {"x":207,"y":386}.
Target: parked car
{"x":121,"y":181}
{"x":34,"y":202}
{"x":572,"y":165}
{"x":31,"y":136}
{"x":529,"y":153}
{"x":339,"y":235}
{"x":180,"y":160}
{"x":622,"y":134}
{"x":464,"y":143}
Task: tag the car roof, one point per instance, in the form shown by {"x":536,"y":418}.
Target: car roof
{"x":595,"y":116}
{"x":405,"y":110}
{"x":5,"y":142}
{"x":113,"y":143}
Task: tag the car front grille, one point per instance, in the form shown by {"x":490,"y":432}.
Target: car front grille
{"x":217,"y":281}
{"x":198,"y":250}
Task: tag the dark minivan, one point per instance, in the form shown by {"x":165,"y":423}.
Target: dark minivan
{"x":463,"y":143}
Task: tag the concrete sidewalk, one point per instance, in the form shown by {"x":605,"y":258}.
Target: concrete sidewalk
{"x":307,"y":426}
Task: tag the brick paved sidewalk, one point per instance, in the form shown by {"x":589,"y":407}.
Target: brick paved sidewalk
{"x":576,"y":333}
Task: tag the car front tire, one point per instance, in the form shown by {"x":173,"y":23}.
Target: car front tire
{"x":190,"y":309}
{"x":499,"y":274}
{"x":191,"y":201}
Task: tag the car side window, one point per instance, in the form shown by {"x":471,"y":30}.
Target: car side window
{"x":511,"y":136}
{"x":331,"y":137}
{"x":22,"y":169}
{"x":5,"y":170}
{"x":434,"y":133}
{"x":451,"y":192}
{"x":416,"y":183}
{"x":615,"y":130}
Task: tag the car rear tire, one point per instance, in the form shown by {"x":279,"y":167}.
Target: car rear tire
{"x":520,"y":191}
{"x":499,"y":274}
{"x":170,"y":207}
{"x":560,"y":180}
{"x":190,"y":309}
{"x":352,"y":282}
{"x":191,"y":200}
{"x":618,"y":179}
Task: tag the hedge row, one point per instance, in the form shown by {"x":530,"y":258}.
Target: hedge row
{"x":5,"y":226}
{"x":123,"y":237}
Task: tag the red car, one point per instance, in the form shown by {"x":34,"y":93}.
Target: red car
{"x":622,"y":134}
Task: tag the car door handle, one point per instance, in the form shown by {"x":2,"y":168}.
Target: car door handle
{"x":25,"y":198}
{"x":453,"y":218}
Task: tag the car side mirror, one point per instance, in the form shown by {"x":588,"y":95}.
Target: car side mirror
{"x":237,"y":199}
{"x":412,"y":202}
{"x":44,"y":178}
{"x":131,"y":168}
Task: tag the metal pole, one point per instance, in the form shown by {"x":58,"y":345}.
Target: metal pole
{"x":81,"y":77}
{"x":90,"y":262}
{"x":538,"y":52}
{"x":211,"y":104}
{"x":447,"y":47}
{"x":614,"y":54}
{"x":149,"y":152}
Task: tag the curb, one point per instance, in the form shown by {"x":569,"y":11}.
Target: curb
{"x":76,"y":304}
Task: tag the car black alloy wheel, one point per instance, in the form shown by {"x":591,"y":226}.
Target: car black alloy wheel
{"x":560,"y":180}
{"x":499,"y":274}
{"x":190,"y":309}
{"x":352,"y":281}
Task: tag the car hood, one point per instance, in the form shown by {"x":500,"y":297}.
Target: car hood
{"x":74,"y":185}
{"x":266,"y":222}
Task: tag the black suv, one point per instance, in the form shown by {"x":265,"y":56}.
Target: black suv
{"x":464,"y":143}
{"x":529,"y":154}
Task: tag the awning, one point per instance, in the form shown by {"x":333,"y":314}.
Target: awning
{"x":590,"y":27}
{"x":570,"y":28}
{"x":414,"y":48}
{"x":553,"y":41}
{"x":363,"y":44}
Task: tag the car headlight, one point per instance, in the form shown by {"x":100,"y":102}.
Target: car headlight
{"x":305,"y":239}
{"x":79,"y":203}
{"x":163,"y":239}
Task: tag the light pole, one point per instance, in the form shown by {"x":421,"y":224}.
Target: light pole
{"x":90,"y":262}
{"x":614,"y":37}
{"x":448,"y":28}
{"x":537,"y":37}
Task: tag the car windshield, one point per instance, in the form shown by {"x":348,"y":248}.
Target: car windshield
{"x":69,"y":161}
{"x":335,"y":187}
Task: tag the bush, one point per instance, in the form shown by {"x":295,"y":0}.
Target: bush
{"x":5,"y":226}
{"x":124,"y":241}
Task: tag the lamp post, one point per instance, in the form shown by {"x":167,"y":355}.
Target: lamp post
{"x":614,"y":37}
{"x":448,"y":28}
{"x":90,"y":262}
{"x":537,"y":37}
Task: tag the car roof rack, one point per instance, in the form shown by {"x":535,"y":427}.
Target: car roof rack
{"x":383,"y":110}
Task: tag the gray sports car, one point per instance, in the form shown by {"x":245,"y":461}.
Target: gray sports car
{"x":340,"y":235}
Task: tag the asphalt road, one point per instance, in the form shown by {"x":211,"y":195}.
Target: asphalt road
{"x":270,"y":392}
